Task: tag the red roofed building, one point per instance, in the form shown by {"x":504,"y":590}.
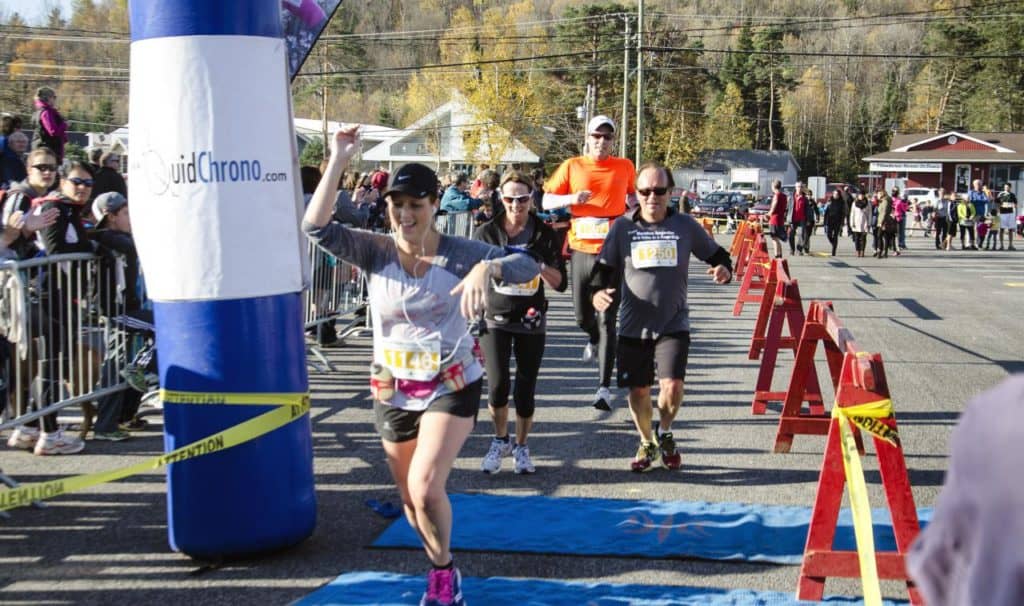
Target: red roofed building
{"x":952,"y":160}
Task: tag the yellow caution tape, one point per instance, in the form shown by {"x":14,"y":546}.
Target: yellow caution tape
{"x":290,"y":406}
{"x":867,"y":417}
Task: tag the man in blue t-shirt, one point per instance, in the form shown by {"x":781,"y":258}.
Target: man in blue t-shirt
{"x":978,"y":198}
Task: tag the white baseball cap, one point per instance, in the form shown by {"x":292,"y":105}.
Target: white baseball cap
{"x":598,"y":121}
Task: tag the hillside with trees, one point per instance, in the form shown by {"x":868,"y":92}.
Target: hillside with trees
{"x":830,"y":80}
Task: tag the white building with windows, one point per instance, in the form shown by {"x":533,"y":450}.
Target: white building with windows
{"x":442,"y":138}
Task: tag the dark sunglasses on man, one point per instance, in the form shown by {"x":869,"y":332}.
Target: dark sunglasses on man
{"x":658,"y":191}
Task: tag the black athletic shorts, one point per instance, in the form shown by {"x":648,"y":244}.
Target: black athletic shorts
{"x":778,"y":231}
{"x":636,"y":359}
{"x":398,"y":425}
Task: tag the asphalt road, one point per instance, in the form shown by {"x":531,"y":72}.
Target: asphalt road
{"x":947,"y":324}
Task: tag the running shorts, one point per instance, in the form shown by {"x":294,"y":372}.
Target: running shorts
{"x":636,"y":359}
{"x":398,"y":425}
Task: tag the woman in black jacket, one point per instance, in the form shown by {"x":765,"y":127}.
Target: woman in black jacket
{"x":515,"y":319}
{"x":835,"y":216}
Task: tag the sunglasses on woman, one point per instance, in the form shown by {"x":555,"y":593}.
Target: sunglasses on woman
{"x":80,"y":181}
{"x":512,"y":199}
{"x":44,"y":168}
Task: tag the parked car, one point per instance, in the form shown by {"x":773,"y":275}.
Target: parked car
{"x":831,"y":187}
{"x":722,"y":204}
{"x":688,"y":198}
{"x":924,"y":195}
{"x":760,"y":208}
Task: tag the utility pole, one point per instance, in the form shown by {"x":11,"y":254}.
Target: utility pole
{"x":639,"y":80}
{"x":624,"y":125}
{"x":323,"y":105}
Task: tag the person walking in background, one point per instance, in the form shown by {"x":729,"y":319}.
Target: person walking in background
{"x":792,"y":231}
{"x":777,"y":218}
{"x":516,"y":320}
{"x":595,"y":188}
{"x":860,"y":222}
{"x":51,"y":131}
{"x":647,"y":257}
{"x":900,"y":207}
{"x":848,"y":198}
{"x":1007,"y":203}
{"x":876,"y":228}
{"x":805,"y":217}
{"x":945,"y":212}
{"x":426,"y":382}
{"x":886,"y":226}
{"x":835,"y":217}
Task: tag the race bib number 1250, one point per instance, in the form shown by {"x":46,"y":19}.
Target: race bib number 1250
{"x":654,"y":253}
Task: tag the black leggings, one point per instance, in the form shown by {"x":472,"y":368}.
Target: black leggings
{"x":941,"y":231}
{"x":498,"y":346}
{"x":966,"y":230}
{"x":832,"y":231}
{"x":860,"y":240}
{"x":599,"y":326}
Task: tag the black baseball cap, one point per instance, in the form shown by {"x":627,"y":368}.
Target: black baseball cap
{"x":107,"y":204}
{"x":415,"y":179}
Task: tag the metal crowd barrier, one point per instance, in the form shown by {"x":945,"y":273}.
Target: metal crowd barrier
{"x":55,"y":321}
{"x":337,"y":291}
{"x":455,"y":224}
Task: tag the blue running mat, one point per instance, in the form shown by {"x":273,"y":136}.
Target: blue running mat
{"x":383,"y":588}
{"x":627,"y":528}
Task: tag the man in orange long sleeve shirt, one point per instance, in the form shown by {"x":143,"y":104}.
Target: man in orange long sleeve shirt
{"x":596,"y":188}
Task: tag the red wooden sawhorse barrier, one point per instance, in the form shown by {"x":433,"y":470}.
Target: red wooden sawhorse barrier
{"x":781,"y":306}
{"x":743,"y":247}
{"x":861,"y":381}
{"x":755,"y":275}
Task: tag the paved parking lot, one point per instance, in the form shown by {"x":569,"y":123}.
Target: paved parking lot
{"x":948,"y":325}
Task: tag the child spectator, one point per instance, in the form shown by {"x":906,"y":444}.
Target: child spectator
{"x":990,"y":239}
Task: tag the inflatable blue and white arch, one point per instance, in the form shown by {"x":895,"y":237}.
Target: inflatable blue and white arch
{"x":215,"y":210}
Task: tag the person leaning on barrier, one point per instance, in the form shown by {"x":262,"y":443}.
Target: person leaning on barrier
{"x":596,"y":188}
{"x":59,"y":319}
{"x":970,"y":552}
{"x":647,"y":257}
{"x":516,"y":320}
{"x":426,"y":382}
{"x":117,"y":278}
{"x":21,"y":222}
